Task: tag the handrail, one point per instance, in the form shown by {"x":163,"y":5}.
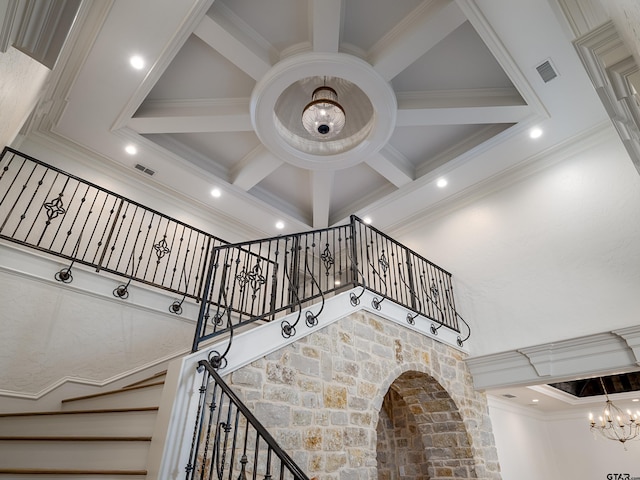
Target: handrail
{"x":48,"y":209}
{"x":220,"y":434}
{"x":272,"y":277}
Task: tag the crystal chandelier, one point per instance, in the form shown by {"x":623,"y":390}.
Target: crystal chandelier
{"x":323,"y":117}
{"x":614,"y":424}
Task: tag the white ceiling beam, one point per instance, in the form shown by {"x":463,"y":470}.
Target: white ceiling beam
{"x":422,"y":117}
{"x":416,"y":34}
{"x":254,"y":167}
{"x":326,"y":24}
{"x":236,"y":46}
{"x":322,"y":182}
{"x":392,"y":165}
{"x":191,"y":117}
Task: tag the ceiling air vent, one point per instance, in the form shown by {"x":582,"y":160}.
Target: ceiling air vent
{"x":547,"y":71}
{"x":144,"y":169}
{"x":508,"y":395}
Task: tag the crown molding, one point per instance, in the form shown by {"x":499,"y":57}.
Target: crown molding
{"x":593,"y":355}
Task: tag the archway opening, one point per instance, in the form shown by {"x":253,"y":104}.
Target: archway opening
{"x":421,"y":435}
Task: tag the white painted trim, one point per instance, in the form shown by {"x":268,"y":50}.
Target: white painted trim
{"x":593,"y":355}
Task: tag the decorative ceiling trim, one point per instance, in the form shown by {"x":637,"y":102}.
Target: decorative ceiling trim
{"x":314,"y":64}
{"x":611,"y":67}
{"x":593,"y":355}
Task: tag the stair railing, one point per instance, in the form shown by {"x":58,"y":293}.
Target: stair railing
{"x":266,"y":279}
{"x":229,"y":442}
{"x":47,"y":209}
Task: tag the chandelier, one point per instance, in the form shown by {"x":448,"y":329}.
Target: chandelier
{"x":614,"y":424}
{"x":323,"y":117}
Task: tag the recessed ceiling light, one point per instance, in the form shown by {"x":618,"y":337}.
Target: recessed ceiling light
{"x":367,"y":220}
{"x":216,"y":193}
{"x":137,"y":62}
{"x":535,"y":400}
{"x":442,"y":182}
{"x":636,"y":400}
{"x":279,"y":225}
{"x":535,"y":133}
{"x":131,"y":149}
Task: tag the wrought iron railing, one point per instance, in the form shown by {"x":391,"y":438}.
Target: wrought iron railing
{"x":44,"y":208}
{"x":47,"y":209}
{"x":270,"y":278}
{"x":229,"y":442}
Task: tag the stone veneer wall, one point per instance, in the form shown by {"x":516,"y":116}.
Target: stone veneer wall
{"x":321,"y":396}
{"x":401,"y":451}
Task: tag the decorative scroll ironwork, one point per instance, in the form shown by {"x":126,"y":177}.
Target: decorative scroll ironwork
{"x":228,"y":441}
{"x":327,"y":258}
{"x":64,"y":275}
{"x":161,"y":248}
{"x":410,"y":317}
{"x":384,"y":266}
{"x":54,"y":208}
{"x":41,"y":206}
{"x":251,"y":282}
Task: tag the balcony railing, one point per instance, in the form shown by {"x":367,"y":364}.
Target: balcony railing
{"x":270,"y":278}
{"x":44,"y":208}
{"x":52,"y":211}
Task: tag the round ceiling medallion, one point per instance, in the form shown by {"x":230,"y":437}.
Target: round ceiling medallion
{"x":279,"y":98}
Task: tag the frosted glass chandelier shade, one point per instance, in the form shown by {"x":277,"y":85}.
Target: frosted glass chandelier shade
{"x":323,"y":117}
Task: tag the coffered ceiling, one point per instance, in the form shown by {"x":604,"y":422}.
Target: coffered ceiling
{"x":431,"y":89}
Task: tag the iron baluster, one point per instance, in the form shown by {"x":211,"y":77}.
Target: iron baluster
{"x":75,"y":217}
{"x":60,"y":209}
{"x":384,"y":265}
{"x":288,"y":330}
{"x":311,"y":319}
{"x":213,"y":406}
{"x":197,"y":430}
{"x":64,"y":275}
{"x":122,"y":290}
{"x":353,"y":298}
{"x":110,"y":234}
{"x":433,"y":328}
{"x":410,"y":318}
{"x":243,"y":458}
{"x":176,"y":306}
{"x":459,"y":340}
{"x":24,"y":213}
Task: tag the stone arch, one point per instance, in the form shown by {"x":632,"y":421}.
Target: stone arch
{"x":421,"y":434}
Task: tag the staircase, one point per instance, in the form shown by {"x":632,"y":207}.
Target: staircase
{"x":103,"y":436}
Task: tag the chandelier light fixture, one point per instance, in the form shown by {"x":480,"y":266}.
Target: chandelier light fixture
{"x":323,"y":117}
{"x":614,"y":424}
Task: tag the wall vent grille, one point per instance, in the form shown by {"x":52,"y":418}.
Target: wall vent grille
{"x":144,"y":169}
{"x":547,"y":71}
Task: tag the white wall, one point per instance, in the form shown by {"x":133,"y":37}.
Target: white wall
{"x":522,"y":441}
{"x":55,"y":334}
{"x":534,"y":446}
{"x":21,"y":79}
{"x":555,"y":255}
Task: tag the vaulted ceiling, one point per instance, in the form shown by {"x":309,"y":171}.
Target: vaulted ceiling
{"x":431,"y":89}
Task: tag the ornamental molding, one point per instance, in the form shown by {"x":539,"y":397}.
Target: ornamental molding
{"x":593,"y":355}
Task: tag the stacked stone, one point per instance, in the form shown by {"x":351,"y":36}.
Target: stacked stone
{"x":321,"y":398}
